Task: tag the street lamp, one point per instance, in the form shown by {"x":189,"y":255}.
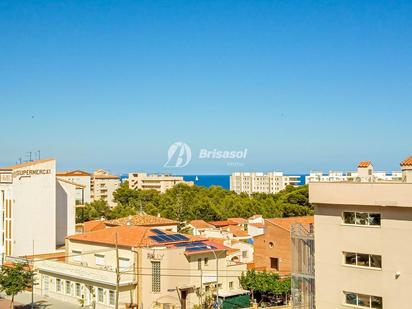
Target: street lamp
{"x":217,"y":275}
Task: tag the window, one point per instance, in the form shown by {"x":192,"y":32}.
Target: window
{"x":78,"y":290}
{"x":361,"y":218}
{"x":155,"y":276}
{"x":99,"y":259}
{"x":100,"y":295}
{"x":274,"y":263}
{"x":46,"y":283}
{"x":271,"y":244}
{"x":77,"y":255}
{"x":111,"y":297}
{"x":68,"y":287}
{"x":124,"y":263}
{"x":231,"y":285}
{"x":58,"y":285}
{"x":363,"y":301}
{"x":244,"y":254}
{"x":199,"y":264}
{"x":206,"y":261}
{"x":363,"y":260}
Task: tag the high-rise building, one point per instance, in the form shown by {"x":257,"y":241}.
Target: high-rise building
{"x":362,"y":236}
{"x":103,"y":185}
{"x":38,"y":209}
{"x":272,"y":182}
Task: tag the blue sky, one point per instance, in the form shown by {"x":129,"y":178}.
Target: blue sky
{"x":303,"y":85}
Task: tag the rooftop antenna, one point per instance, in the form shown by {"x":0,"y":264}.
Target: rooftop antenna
{"x":38,"y":154}
{"x":29,"y":154}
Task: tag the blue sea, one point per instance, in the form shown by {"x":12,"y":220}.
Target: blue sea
{"x":214,"y":180}
{"x":220,"y":180}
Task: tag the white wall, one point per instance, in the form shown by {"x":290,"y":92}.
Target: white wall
{"x":34,"y":211}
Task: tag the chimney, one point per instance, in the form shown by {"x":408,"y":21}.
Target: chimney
{"x":365,"y":171}
{"x":406,"y":166}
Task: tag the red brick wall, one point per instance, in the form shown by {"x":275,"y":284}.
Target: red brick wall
{"x":281,"y":249}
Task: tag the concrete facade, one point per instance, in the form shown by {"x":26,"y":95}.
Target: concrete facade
{"x":153,"y":276}
{"x":161,"y":183}
{"x":362,"y":232}
{"x":272,"y":182}
{"x":38,"y":209}
{"x":103,"y":185}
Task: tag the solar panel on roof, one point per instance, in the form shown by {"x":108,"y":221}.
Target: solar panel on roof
{"x":173,"y":237}
{"x":156,"y":238}
{"x":190,"y":244}
{"x":199,"y":248}
{"x":181,"y":237}
{"x":157,"y":231}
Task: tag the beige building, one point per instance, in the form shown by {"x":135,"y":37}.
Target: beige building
{"x":82,"y":178}
{"x":364,"y":172}
{"x":161,"y":183}
{"x":103,"y":185}
{"x":272,"y":182}
{"x":38,"y":209}
{"x":362,"y":236}
{"x":158,"y":269}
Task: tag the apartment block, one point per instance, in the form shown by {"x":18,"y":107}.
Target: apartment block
{"x":103,"y":185}
{"x":158,"y":269}
{"x":272,"y":182}
{"x":80,"y":177}
{"x":161,"y":183}
{"x":38,"y":208}
{"x":364,"y":172}
{"x":362,"y":236}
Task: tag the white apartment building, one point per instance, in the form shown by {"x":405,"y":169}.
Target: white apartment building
{"x":38,"y":209}
{"x":103,"y":185}
{"x":359,"y":175}
{"x":161,"y":183}
{"x":362,"y":236}
{"x":158,"y":269}
{"x":271,"y":182}
{"x":82,"y":178}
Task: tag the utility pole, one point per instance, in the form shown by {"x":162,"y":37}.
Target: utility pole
{"x":32,"y":277}
{"x":117,"y":274}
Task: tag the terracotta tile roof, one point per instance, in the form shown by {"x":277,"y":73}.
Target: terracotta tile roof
{"x":141,"y":220}
{"x":238,"y":220}
{"x":26,"y":164}
{"x":127,"y":236}
{"x":258,"y":225}
{"x":286,"y":223}
{"x":236,"y":231}
{"x":200,"y":224}
{"x":95,"y":225}
{"x":364,"y":163}
{"x":407,"y":162}
{"x":222,"y":223}
{"x":73,"y":173}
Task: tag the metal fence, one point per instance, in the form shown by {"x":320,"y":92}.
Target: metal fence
{"x":303,"y":267}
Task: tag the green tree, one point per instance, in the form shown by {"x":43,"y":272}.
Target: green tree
{"x":265,"y":285}
{"x":15,"y":279}
{"x":92,"y":211}
{"x":184,"y":203}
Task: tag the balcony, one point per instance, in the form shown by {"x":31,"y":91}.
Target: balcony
{"x":361,"y":193}
{"x":84,"y":273}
